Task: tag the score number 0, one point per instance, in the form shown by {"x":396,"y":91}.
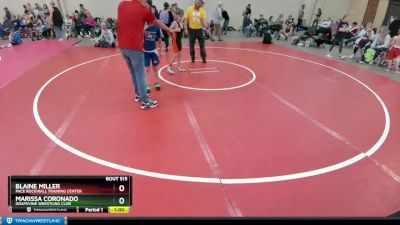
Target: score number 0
{"x":121,"y":200}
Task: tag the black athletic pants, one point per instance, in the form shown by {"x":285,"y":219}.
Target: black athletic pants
{"x":197,"y":35}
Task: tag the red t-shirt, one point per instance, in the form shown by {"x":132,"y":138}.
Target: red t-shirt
{"x":132,"y":16}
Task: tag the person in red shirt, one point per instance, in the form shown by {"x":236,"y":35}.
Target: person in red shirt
{"x":132,"y":16}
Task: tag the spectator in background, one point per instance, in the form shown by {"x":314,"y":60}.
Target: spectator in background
{"x":45,"y":12}
{"x":79,"y":25}
{"x":68,"y":26}
{"x":300,"y":17}
{"x":3,"y":33}
{"x":81,"y":11}
{"x":29,"y":19}
{"x":317,"y":19}
{"x":353,"y":33}
{"x":7,"y":18}
{"x":270,"y":20}
{"x":394,"y":26}
{"x":42,"y":28}
{"x":225,"y":27}
{"x":326,"y":23}
{"x":286,"y":33}
{"x":154,"y":10}
{"x":334,"y":27}
{"x":381,"y":43}
{"x":342,"y":32}
{"x":261,"y":25}
{"x":29,"y":7}
{"x":166,"y":17}
{"x":56,"y":20}
{"x":218,"y":20}
{"x":173,"y":9}
{"x":249,"y":26}
{"x":392,"y":18}
{"x":37,"y":10}
{"x":106,"y":38}
{"x":290,"y":20}
{"x":364,"y":38}
{"x":246,"y":12}
{"x":16,"y":22}
{"x":89,"y":23}
{"x":14,"y":38}
{"x":279,"y":22}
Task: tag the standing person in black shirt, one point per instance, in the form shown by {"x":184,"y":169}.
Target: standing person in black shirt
{"x":317,"y":18}
{"x":225,"y":15}
{"x":56,"y":20}
{"x":394,"y":27}
{"x":342,"y":32}
{"x":7,"y":18}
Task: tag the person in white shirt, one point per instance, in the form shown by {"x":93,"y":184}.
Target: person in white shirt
{"x":68,"y":26}
{"x":380,"y":44}
{"x":218,"y":21}
{"x":106,"y":39}
{"x":365,"y":37}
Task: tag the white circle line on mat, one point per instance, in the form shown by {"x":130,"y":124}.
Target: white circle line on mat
{"x":295,"y":176}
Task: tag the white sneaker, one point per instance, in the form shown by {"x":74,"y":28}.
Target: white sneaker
{"x":342,"y":56}
{"x":397,"y":72}
{"x":387,"y":70}
{"x":170,"y":71}
{"x":352,"y":56}
{"x":9,"y":45}
{"x":329,"y":55}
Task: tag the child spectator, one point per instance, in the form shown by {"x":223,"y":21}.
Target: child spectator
{"x":177,"y":27}
{"x":68,"y":26}
{"x":14,"y":38}
{"x":287,"y":32}
{"x":106,"y":38}
{"x":152,"y":35}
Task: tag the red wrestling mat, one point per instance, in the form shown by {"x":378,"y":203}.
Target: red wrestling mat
{"x":258,"y":131}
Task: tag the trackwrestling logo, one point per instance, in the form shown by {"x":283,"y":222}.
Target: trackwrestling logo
{"x":34,"y":220}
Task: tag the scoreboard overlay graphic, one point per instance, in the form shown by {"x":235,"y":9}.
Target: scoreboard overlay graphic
{"x":70,"y":194}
